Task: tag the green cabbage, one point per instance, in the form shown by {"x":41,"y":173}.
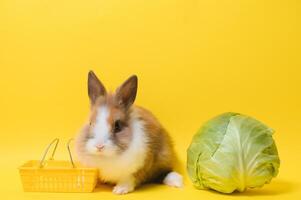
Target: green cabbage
{"x":232,"y":152}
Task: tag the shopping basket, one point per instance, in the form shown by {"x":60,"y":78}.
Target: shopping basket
{"x":57,"y":176}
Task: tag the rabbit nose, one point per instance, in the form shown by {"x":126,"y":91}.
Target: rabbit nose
{"x":99,"y":147}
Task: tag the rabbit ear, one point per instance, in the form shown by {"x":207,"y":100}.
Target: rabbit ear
{"x":126,"y":93}
{"x":95,"y":87}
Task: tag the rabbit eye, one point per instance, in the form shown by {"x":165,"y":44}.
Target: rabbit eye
{"x":89,"y":136}
{"x":117,"y":126}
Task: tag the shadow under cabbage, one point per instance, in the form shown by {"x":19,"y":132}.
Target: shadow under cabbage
{"x":276,"y":187}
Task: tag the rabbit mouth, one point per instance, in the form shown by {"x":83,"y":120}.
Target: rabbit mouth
{"x":105,"y":151}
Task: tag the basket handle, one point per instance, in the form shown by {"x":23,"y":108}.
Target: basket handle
{"x":70,"y":155}
{"x":56,"y":141}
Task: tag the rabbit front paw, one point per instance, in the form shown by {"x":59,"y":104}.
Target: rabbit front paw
{"x":124,"y":187}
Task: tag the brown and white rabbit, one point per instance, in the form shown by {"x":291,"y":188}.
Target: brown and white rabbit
{"x":125,"y":142}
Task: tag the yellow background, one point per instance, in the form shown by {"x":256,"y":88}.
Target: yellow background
{"x":194,"y":58}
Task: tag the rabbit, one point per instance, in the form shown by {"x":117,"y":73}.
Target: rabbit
{"x":124,"y":141}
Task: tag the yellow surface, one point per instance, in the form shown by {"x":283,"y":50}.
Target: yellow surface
{"x":194,"y":58}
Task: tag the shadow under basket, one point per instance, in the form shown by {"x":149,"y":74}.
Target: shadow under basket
{"x":57,"y":176}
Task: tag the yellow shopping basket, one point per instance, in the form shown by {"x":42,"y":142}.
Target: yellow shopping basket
{"x":57,"y":176}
